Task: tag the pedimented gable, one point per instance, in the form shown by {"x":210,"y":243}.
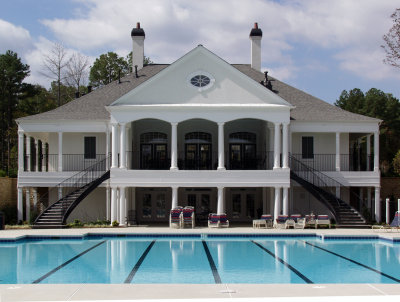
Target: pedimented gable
{"x":200,"y":77}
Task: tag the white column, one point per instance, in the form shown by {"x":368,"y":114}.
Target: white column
{"x":114,"y":147}
{"x":220,"y":205}
{"x":108,"y":201}
{"x":337,"y":161}
{"x":277,"y":205}
{"x":44,"y":157}
{"x":277,"y":146}
{"x":107,"y":147}
{"x":264,"y":196}
{"x":398,"y":205}
{"x":28,"y":205}
{"x":221,"y":147}
{"x":35,"y":198}
{"x":174,"y":146}
{"x":285,"y":146}
{"x":37,"y":155}
{"x":368,"y":152}
{"x":376,"y":151}
{"x":122,"y":206}
{"x":20,"y":208}
{"x":60,"y":193}
{"x":174,"y":202}
{"x":113,"y":204}
{"x":387,"y":211}
{"x":285,"y":201}
{"x":60,"y":151}
{"x":122,"y":149}
{"x":20,"y":151}
{"x":378,"y":204}
{"x":28,"y":153}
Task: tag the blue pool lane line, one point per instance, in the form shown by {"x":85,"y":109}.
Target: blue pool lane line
{"x":66,"y":263}
{"x":284,"y":263}
{"x":355,"y":262}
{"x":139,"y":263}
{"x":214,"y":270}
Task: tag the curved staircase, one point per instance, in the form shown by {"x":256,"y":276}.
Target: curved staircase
{"x":78,"y":186}
{"x":321,"y":186}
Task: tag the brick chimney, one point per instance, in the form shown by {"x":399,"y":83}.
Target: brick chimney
{"x":255,"y":37}
{"x":138,"y":36}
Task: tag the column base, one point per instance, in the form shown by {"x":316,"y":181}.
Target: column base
{"x":221,"y":169}
{"x":276,"y":168}
{"x":174,"y":168}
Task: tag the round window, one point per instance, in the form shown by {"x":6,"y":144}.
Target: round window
{"x":200,"y":80}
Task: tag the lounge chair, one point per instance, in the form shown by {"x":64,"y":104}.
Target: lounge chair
{"x":323,"y":220}
{"x":175,"y":218}
{"x":213,"y":220}
{"x":300,"y":223}
{"x":188,"y":217}
{"x":216,"y":221}
{"x":280,"y":222}
{"x":268,"y":220}
{"x":291,"y":222}
{"x":223,"y":221}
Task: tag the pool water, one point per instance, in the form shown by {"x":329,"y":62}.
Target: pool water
{"x":196,"y":260}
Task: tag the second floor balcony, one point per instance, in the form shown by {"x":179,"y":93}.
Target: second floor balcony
{"x":188,"y":160}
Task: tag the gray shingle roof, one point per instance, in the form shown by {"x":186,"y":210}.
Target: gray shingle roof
{"x":92,"y":105}
{"x":308,"y":107}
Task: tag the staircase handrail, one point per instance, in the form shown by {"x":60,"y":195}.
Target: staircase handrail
{"x":317,"y":173}
{"x":321,"y":177}
{"x":77,"y":180}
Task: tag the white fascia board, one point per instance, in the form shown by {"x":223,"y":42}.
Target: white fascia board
{"x":64,"y":126}
{"x":216,"y":113}
{"x":356,"y":178}
{"x":186,"y":178}
{"x":342,"y":127}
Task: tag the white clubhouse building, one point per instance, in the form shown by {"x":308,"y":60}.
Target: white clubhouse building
{"x":224,"y":138}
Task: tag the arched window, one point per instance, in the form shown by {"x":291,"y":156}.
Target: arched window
{"x":153,"y":151}
{"x":198,"y":148}
{"x":242,"y":151}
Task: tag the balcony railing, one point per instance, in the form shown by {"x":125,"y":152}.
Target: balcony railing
{"x":259,"y":161}
{"x":70,"y":162}
{"x":327,"y":162}
{"x":205,"y":161}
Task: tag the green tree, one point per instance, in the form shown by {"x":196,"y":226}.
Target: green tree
{"x":12,"y":74}
{"x":107,"y":68}
{"x":146,"y":60}
{"x":392,"y":41}
{"x":378,"y":104}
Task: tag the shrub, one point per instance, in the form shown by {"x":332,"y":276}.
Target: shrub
{"x":115,"y":223}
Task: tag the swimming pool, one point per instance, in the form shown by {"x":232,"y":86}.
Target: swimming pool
{"x":199,"y":259}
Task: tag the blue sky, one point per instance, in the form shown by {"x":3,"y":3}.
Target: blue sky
{"x":319,"y":46}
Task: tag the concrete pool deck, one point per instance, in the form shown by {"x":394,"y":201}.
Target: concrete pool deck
{"x":85,"y":292}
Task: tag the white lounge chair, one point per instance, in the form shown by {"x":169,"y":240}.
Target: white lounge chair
{"x":175,"y":218}
{"x":188,"y":217}
{"x":323,"y":220}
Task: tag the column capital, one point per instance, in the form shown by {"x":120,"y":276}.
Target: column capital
{"x":174,"y":123}
{"x":122,"y":124}
{"x":285,"y":123}
{"x":221,"y":123}
{"x":21,"y":132}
